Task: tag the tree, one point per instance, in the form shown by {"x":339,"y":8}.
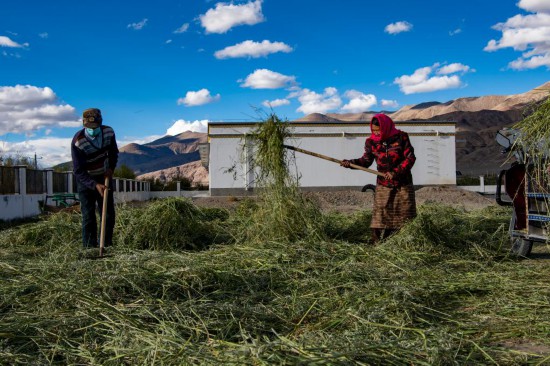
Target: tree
{"x":124,"y":171}
{"x":11,"y":160}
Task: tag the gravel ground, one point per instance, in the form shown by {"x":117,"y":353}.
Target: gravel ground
{"x":351,"y":201}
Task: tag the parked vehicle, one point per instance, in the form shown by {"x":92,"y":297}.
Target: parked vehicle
{"x":527,"y":186}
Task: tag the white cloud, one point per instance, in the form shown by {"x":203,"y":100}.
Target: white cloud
{"x":49,"y":151}
{"x":455,"y":32}
{"x":43,"y":35}
{"x":389,"y":103}
{"x":7,"y":42}
{"x":200,"y":97}
{"x":227,"y":15}
{"x":26,"y":108}
{"x":398,"y":27}
{"x":358,"y":102}
{"x":453,"y":68}
{"x":531,"y":63}
{"x":422,"y":80}
{"x":535,"y":6}
{"x":529,"y":34}
{"x":139,"y":25}
{"x":267,"y":79}
{"x":312,"y":102}
{"x":182,"y":125}
{"x":275,"y":103}
{"x":137,"y":140}
{"x":182,"y":29}
{"x":168,"y":41}
{"x":252,"y":49}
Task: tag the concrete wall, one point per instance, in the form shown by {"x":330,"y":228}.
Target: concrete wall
{"x":232,"y":152}
{"x":17,"y":206}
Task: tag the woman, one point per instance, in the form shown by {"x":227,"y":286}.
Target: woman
{"x":394,"y":201}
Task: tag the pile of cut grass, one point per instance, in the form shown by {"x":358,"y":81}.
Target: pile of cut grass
{"x":534,"y":141}
{"x":170,"y":224}
{"x":438,"y":292}
{"x":282,"y":213}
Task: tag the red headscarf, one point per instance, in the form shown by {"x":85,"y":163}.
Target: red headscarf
{"x":387,"y":128}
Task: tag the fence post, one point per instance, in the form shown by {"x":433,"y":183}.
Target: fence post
{"x":482,"y":183}
{"x":70,"y":188}
{"x":49,"y":181}
{"x":178,"y":187}
{"x":22,"y":175}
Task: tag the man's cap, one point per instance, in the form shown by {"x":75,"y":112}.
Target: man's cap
{"x":91,"y":118}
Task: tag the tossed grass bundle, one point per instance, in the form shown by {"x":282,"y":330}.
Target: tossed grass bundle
{"x":282,"y":213}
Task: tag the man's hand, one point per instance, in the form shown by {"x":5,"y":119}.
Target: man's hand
{"x":389,"y":175}
{"x":101,"y":188}
{"x":345,"y":163}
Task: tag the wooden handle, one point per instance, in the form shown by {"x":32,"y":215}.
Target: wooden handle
{"x":372,"y":171}
{"x":103,"y":217}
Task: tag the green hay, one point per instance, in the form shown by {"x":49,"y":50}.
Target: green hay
{"x":352,"y":228}
{"x":534,"y":139}
{"x":169,"y":224}
{"x":282,"y":212}
{"x":535,"y":130}
{"x":420,"y":298}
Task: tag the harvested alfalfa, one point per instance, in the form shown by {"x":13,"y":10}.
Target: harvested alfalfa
{"x":534,"y":141}
{"x":352,"y":228}
{"x":168,"y":224}
{"x":454,"y":231}
{"x":282,"y":213}
{"x":49,"y":232}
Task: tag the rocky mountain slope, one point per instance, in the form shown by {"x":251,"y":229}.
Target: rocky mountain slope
{"x":166,"y":152}
{"x":194,"y":171}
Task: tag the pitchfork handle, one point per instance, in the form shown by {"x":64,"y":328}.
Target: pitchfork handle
{"x":355,"y":166}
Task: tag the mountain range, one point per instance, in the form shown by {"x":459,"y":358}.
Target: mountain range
{"x":478,"y":119}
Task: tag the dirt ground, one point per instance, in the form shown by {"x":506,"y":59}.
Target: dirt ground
{"x":351,"y":201}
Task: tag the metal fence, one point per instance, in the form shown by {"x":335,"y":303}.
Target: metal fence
{"x":23,"y":180}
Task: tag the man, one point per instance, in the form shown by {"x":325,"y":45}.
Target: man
{"x":95,"y":154}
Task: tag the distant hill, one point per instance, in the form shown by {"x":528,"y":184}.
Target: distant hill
{"x":194,"y":171}
{"x":166,"y":152}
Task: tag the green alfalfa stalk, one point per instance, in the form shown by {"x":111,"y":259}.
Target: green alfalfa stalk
{"x":282,"y":212}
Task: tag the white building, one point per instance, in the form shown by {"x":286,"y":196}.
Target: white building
{"x":229,"y":160}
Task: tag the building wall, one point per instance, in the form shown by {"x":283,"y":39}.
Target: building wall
{"x":231,"y":171}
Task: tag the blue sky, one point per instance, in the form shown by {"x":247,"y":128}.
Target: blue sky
{"x":163,"y":67}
